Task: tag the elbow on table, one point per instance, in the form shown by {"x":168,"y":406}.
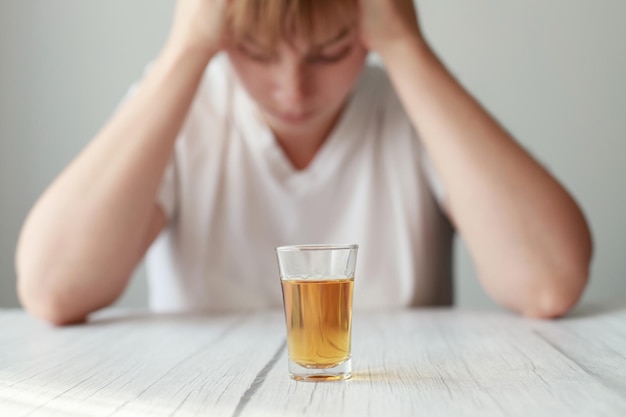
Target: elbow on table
{"x":557,"y":294}
{"x":46,"y":304}
{"x":51,"y":310}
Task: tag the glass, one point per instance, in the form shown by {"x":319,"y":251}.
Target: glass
{"x":317,"y":283}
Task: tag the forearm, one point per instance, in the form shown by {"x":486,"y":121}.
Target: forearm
{"x":82,"y":240}
{"x":528,"y":238}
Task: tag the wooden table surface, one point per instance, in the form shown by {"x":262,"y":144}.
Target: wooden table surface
{"x":431,"y":362}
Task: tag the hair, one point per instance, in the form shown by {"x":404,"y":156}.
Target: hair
{"x":270,"y":21}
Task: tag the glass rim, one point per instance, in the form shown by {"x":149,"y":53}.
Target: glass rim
{"x":315,"y":247}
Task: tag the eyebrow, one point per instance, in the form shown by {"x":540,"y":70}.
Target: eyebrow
{"x":250,"y":39}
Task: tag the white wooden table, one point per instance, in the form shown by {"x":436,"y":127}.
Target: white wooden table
{"x":412,"y":363}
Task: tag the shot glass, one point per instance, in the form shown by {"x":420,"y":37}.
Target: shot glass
{"x":317,"y":283}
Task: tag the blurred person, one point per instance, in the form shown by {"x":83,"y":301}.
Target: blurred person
{"x":261,"y":123}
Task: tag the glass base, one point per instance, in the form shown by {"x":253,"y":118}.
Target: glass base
{"x":335,"y":373}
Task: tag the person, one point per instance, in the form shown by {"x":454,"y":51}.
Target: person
{"x":261,"y":124}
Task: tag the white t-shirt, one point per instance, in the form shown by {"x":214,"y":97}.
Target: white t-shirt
{"x":231,"y":196}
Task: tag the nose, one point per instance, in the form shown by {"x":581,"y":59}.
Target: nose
{"x":291,"y":86}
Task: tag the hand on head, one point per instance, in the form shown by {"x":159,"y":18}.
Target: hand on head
{"x":200,"y":24}
{"x":384,"y":22}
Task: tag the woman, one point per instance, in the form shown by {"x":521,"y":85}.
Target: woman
{"x":260,"y":125}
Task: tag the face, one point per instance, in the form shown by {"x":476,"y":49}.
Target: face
{"x":302,"y":86}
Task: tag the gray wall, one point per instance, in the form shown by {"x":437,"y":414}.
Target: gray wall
{"x":552,"y":71}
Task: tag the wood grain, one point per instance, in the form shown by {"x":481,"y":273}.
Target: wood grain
{"x":436,"y":362}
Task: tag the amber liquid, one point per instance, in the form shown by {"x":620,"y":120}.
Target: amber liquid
{"x":319,"y":321}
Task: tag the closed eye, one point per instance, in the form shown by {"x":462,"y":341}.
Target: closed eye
{"x":255,"y":55}
{"x":330,"y":58}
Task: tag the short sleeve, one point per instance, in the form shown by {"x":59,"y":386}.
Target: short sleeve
{"x":166,"y":197}
{"x":434,"y":181}
{"x":397,"y":115}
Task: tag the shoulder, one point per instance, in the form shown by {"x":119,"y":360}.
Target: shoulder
{"x":216,"y":88}
{"x":206,"y":126}
{"x":376,"y":79}
{"x":389,"y":115}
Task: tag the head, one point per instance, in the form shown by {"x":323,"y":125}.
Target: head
{"x":298,"y":59}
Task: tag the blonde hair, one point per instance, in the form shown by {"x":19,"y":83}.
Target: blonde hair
{"x":269,"y":21}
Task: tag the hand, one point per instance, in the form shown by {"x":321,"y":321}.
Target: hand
{"x":199,"y":24}
{"x":384,"y":22}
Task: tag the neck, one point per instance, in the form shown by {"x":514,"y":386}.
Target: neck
{"x":301,"y":147}
{"x":301,"y":150}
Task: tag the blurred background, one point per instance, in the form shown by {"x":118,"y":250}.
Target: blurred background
{"x":552,"y":71}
